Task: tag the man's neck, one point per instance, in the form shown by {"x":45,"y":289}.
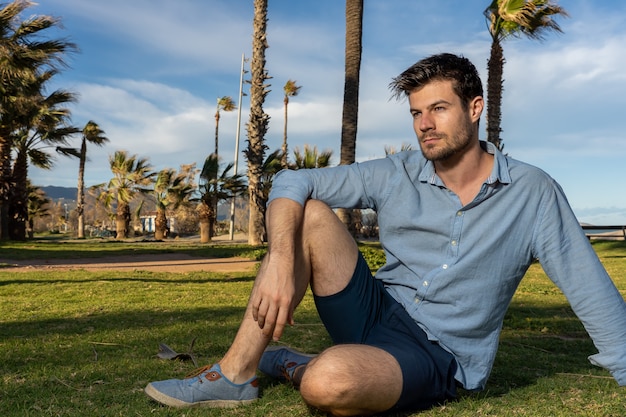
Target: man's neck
{"x":465,"y":172}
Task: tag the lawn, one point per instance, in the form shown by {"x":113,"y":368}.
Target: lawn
{"x":78,"y":343}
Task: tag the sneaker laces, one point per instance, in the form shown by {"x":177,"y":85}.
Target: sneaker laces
{"x":284,"y":369}
{"x":198,"y":372}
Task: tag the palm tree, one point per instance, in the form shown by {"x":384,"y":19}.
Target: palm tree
{"x":311,"y":158}
{"x":91,"y":133}
{"x":131,"y":175}
{"x":24,"y":54}
{"x":38,"y":206}
{"x":291,"y":90}
{"x":215,"y":187}
{"x":531,"y":18}
{"x":44,"y":123}
{"x":354,"y":38}
{"x":171,"y":190}
{"x":225,"y":103}
{"x":257,"y":125}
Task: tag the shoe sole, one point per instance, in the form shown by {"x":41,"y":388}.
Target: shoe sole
{"x":159,"y":397}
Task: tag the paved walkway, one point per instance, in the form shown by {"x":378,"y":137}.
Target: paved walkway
{"x":162,"y":263}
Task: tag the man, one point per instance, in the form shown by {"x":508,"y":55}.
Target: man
{"x":460,"y":224}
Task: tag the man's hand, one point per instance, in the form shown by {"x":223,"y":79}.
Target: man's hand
{"x":273,"y":295}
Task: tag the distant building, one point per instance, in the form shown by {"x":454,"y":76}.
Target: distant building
{"x":148,"y":223}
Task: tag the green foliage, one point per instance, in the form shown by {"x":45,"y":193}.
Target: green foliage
{"x":531,"y":18}
{"x":310,"y":158}
{"x":219,"y":186}
{"x":77,"y":343}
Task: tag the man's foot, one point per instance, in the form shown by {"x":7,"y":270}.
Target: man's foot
{"x":207,"y":387}
{"x":284,"y":363}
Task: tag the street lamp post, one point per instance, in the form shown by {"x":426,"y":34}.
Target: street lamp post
{"x":232,"y":201}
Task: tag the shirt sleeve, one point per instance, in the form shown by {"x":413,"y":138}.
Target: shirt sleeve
{"x":342,"y":186}
{"x":569,"y":260}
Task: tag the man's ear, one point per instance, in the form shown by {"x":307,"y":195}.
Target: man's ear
{"x":476,"y":106}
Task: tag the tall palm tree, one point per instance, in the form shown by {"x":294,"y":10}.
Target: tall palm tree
{"x":131,"y":175}
{"x":291,"y":90}
{"x":92,"y":134}
{"x":311,"y":158}
{"x":171,"y":190}
{"x":44,"y":123}
{"x":354,"y":38}
{"x":215,"y":187}
{"x":257,"y":125}
{"x":24,"y":54}
{"x":506,"y":18}
{"x":225,"y":103}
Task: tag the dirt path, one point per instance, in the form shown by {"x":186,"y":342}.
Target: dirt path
{"x":158,"y":263}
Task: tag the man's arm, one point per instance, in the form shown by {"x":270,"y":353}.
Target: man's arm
{"x":572,"y":264}
{"x":274,"y":291}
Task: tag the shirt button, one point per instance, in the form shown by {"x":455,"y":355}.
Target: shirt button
{"x":459,"y":213}
{"x":444,"y":266}
{"x":425,"y":283}
{"x":453,"y":243}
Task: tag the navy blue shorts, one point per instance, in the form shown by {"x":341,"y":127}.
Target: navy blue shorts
{"x":365,"y":313}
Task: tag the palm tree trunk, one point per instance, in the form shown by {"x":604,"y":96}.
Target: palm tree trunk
{"x":18,"y":206}
{"x":283,"y":159}
{"x":495,"y":68}
{"x":160,"y":224}
{"x":349,"y":123}
{"x":122,"y":220}
{"x":5,"y":181}
{"x":80,"y":198}
{"x":217,"y":128}
{"x":205,"y":223}
{"x":257,"y":126}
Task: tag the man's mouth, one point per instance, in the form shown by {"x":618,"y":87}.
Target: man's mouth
{"x":430,"y":139}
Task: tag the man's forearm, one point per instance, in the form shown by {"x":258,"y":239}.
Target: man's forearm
{"x":283,"y":220}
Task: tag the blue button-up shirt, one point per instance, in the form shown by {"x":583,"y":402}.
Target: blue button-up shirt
{"x":455,"y":268}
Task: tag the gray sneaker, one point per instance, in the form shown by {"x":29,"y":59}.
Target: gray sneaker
{"x":207,"y":387}
{"x":281,"y":362}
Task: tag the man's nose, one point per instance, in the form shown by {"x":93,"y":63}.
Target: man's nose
{"x":426,"y":122}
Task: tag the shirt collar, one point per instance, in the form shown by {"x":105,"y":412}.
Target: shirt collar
{"x":499,"y":173}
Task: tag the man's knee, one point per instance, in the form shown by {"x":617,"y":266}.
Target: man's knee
{"x":326,"y":383}
{"x":352,"y":380}
{"x":317,"y":213}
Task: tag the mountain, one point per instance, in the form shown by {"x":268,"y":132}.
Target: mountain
{"x":53,"y":192}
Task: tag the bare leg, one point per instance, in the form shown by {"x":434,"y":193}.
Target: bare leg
{"x":322,"y":243}
{"x":344,"y":379}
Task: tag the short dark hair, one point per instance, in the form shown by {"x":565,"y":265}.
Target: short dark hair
{"x":459,"y":70}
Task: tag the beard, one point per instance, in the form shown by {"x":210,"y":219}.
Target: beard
{"x":447,"y":146}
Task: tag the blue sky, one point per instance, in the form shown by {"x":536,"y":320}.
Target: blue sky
{"x":149,"y":73}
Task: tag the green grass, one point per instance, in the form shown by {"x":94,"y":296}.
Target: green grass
{"x":78,"y":343}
